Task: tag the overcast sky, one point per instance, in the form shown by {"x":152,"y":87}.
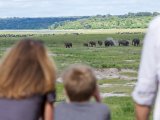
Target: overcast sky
{"x":54,"y":8}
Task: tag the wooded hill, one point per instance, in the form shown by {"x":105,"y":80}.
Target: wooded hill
{"x":33,"y":23}
{"x":130,"y":20}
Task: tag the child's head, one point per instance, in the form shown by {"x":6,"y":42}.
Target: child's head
{"x":79,"y":82}
{"x":26,"y":70}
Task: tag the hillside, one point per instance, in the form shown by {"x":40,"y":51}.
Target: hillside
{"x":130,"y":20}
{"x":32,"y":23}
{"x":127,"y":21}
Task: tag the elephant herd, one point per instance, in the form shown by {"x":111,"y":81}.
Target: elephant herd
{"x":100,"y":43}
{"x":106,"y":43}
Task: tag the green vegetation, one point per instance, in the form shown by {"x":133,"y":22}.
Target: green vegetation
{"x":113,"y":81}
{"x":32,"y":23}
{"x":128,"y":21}
{"x":130,"y":74}
{"x":116,"y":85}
{"x":117,"y":89}
{"x":60,"y":92}
{"x":122,"y":108}
{"x":98,"y":57}
{"x":105,"y":23}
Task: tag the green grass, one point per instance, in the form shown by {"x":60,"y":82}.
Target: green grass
{"x":129,"y":74}
{"x":116,"y":86}
{"x":113,"y":81}
{"x":117,"y":89}
{"x":60,"y":92}
{"x":122,"y":108}
{"x":97,"y":57}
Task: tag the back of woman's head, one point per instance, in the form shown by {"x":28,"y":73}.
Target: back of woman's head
{"x":26,"y":70}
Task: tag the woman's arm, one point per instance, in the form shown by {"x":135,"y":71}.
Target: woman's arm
{"x":48,"y":111}
{"x":49,"y":106}
{"x":142,"y":112}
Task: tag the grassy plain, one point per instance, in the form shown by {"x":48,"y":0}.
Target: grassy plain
{"x":99,"y":57}
{"x":70,"y":31}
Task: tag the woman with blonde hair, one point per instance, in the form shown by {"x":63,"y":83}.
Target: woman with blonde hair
{"x":27,"y":82}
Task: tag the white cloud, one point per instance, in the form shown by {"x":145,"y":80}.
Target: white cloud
{"x":44,"y":8}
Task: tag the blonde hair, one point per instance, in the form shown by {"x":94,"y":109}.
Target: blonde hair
{"x":27,"y":70}
{"x":79,"y":82}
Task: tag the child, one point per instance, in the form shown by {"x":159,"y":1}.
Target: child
{"x":80,"y":85}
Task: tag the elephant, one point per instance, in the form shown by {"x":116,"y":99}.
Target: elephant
{"x":123,"y":42}
{"x":100,"y":43}
{"x":108,"y":43}
{"x":85,"y":44}
{"x":92,"y":43}
{"x":68,"y":44}
{"x":136,"y":42}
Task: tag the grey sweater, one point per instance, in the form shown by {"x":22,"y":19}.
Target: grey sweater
{"x":82,"y":111}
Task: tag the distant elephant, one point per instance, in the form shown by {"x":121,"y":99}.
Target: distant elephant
{"x":75,"y":33}
{"x":100,"y":43}
{"x":108,"y":43}
{"x":123,"y":42}
{"x":136,"y":42}
{"x":85,"y":44}
{"x":92,"y":43}
{"x":68,"y":44}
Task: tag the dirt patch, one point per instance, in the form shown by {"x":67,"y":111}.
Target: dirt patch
{"x":108,"y":85}
{"x":129,"y":60}
{"x":123,"y":77}
{"x":128,"y":70}
{"x":103,"y":95}
{"x":111,"y":73}
{"x":130,"y":84}
{"x":113,"y":85}
{"x":52,"y":54}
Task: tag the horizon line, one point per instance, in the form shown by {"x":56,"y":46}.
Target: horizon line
{"x":75,"y":15}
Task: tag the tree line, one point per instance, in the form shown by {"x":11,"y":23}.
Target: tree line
{"x":130,"y":20}
{"x":33,"y":23}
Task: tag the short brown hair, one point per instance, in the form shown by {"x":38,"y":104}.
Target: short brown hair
{"x":27,"y":70}
{"x":79,"y":82}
